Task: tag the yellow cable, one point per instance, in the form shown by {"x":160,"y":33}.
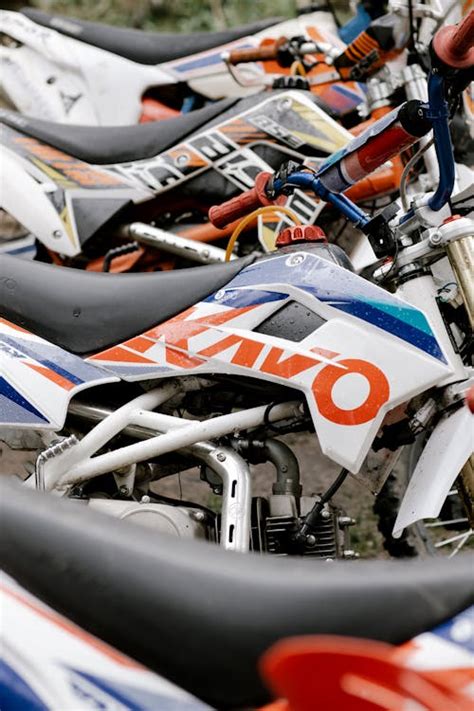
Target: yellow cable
{"x":267,"y":210}
{"x":297,"y":68}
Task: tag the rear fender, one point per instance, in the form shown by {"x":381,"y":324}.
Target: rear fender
{"x":27,"y":200}
{"x":446,"y":452}
{"x":40,"y":74}
{"x":62,"y":200}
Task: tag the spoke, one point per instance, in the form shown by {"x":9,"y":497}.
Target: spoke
{"x":453,"y":539}
{"x":436,"y":524}
{"x":461,"y":544}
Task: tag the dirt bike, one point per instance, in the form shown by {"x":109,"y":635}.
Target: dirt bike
{"x":297,"y":318}
{"x":225,"y":628}
{"x":49,"y":66}
{"x":428,"y":248}
{"x":77,"y":231}
{"x":87,"y":185}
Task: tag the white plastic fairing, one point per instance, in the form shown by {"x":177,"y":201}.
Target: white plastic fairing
{"x":446,"y":452}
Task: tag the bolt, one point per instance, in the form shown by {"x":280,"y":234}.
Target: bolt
{"x":284,"y":104}
{"x":221,"y":457}
{"x":57,"y":234}
{"x":310,"y":540}
{"x":217,"y":490}
{"x":284,"y":468}
{"x":436,"y":238}
{"x":325,"y":514}
{"x":124,"y":490}
{"x":145,"y":499}
{"x":205,"y":253}
{"x":346,"y":521}
{"x":198,"y":516}
{"x":182,"y":159}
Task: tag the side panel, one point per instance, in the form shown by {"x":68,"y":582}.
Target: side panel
{"x":369,"y":353}
{"x":46,"y":662}
{"x":38,"y":379}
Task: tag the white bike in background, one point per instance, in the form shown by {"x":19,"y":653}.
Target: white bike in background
{"x":72,"y":71}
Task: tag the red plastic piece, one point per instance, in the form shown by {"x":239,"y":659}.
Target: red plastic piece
{"x":452,"y":218}
{"x":344,"y":674}
{"x":470,"y":398}
{"x":300,"y":233}
{"x":153,"y":110}
{"x":454,"y":44}
{"x":222,"y":215}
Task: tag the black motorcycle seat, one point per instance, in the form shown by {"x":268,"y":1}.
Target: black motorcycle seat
{"x":202,"y":617}
{"x":85,"y":312}
{"x":103,"y":145}
{"x":140,"y":46}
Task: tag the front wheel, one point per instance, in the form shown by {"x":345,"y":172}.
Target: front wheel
{"x":449,"y":534}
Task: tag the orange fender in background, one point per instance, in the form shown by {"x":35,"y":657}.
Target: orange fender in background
{"x":154,"y":110}
{"x":345,"y":674}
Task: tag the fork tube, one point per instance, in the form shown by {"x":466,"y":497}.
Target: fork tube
{"x":461,"y":257}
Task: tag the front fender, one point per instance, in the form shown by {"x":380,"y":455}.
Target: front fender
{"x":446,"y":452}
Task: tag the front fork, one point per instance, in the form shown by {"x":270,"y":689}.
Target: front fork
{"x":460,"y":253}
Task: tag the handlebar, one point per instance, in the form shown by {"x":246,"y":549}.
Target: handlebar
{"x":454,"y":44}
{"x":378,"y":143}
{"x":262,"y":53}
{"x":242,"y":205}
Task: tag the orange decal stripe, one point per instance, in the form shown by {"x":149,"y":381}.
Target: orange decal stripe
{"x":51,"y":375}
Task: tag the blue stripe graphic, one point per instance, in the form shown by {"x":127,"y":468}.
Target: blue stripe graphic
{"x":9,"y":392}
{"x":32,"y":353}
{"x":15,"y":693}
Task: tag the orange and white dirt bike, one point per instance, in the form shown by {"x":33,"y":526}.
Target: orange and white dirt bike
{"x":72,"y":71}
{"x":379,"y":636}
{"x":135,"y":197}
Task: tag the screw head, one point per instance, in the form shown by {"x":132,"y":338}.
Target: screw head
{"x":198,"y":516}
{"x":285,"y":104}
{"x":182,"y":159}
{"x":221,"y":457}
{"x":311,"y":540}
{"x":325,"y":514}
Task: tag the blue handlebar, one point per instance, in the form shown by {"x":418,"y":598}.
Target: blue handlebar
{"x":438,"y":113}
{"x":310,"y":181}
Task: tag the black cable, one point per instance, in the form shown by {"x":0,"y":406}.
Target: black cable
{"x":312,"y":518}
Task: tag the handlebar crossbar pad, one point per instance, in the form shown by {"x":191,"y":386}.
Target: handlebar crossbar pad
{"x":382,"y":140}
{"x":454,"y":44}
